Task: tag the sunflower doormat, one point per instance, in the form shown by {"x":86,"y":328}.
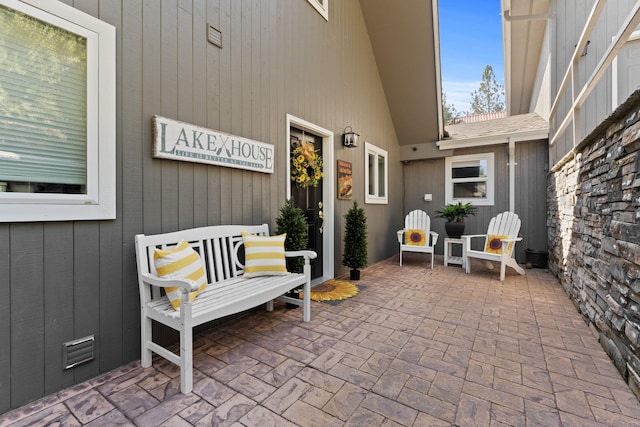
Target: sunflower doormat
{"x":334,"y":291}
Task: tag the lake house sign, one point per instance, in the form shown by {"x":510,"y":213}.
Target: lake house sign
{"x":182,"y":141}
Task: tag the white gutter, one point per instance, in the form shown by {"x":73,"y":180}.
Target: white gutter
{"x":436,"y":48}
{"x":512,"y":175}
{"x":527,"y":135}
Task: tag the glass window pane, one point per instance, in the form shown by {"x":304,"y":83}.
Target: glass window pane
{"x":43,"y":104}
{"x":473,"y":169}
{"x":468,"y":190}
{"x":381,"y":174}
{"x":372,"y":174}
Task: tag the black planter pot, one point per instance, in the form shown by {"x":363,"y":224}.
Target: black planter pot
{"x":354,"y":274}
{"x":454,"y":229}
{"x":293,"y":294}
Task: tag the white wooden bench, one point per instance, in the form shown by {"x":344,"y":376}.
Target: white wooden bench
{"x":221,"y":252}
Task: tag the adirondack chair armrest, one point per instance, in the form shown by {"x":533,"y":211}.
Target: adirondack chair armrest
{"x":468,"y":237}
{"x":185,"y":285}
{"x":305,"y":253}
{"x":506,"y":246}
{"x":400,"y":235}
{"x":434,"y":238}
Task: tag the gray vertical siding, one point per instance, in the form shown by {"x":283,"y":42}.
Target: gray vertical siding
{"x":5,"y":319}
{"x":570,"y":18}
{"x":427,"y":176}
{"x":66,"y":280}
{"x":532,"y":171}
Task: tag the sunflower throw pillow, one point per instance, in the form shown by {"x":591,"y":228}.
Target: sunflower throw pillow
{"x":180,"y":262}
{"x":415,"y":237}
{"x":494,"y":244}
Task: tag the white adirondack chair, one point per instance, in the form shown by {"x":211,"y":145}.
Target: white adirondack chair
{"x":499,"y":243}
{"x":415,"y":221}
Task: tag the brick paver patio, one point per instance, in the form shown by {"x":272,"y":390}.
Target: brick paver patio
{"x":416,"y":347}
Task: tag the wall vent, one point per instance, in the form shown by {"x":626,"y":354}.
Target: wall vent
{"x":77,"y":351}
{"x":214,"y":35}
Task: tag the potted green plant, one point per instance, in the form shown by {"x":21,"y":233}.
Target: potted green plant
{"x":293,"y":222}
{"x":455,"y":213}
{"x":355,"y":241}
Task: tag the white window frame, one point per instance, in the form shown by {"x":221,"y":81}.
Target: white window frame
{"x":377,"y":152}
{"x":322,"y":8}
{"x":99,"y":202}
{"x":489,"y":200}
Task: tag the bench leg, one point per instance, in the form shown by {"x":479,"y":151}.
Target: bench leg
{"x":306,"y":301}
{"x":145,"y":337}
{"x":270,"y":305}
{"x":186,"y":350}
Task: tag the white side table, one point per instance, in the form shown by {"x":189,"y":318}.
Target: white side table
{"x":448,"y":258}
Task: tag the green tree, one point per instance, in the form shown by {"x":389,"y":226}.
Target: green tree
{"x":355,"y":238}
{"x":489,"y":98}
{"x":448,"y":110}
{"x":293,"y":222}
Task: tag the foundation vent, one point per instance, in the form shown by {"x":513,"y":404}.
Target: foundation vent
{"x":214,"y":35}
{"x":77,"y":352}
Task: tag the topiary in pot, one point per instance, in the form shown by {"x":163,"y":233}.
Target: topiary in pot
{"x":293,"y":222}
{"x":355,"y":241}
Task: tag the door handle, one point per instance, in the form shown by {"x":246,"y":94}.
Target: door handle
{"x":321,"y":216}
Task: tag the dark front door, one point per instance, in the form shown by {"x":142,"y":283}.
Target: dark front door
{"x":309,"y":197}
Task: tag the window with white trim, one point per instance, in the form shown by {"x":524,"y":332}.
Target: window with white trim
{"x":470,"y":178}
{"x":322,"y":6}
{"x":57,"y":113}
{"x":376,"y":176}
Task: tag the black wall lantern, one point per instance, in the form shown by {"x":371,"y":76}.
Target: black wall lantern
{"x":350,"y":138}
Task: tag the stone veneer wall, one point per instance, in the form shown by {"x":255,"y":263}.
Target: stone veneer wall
{"x":594,"y":234}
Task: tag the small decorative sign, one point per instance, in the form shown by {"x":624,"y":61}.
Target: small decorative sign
{"x":183,"y":141}
{"x":345,"y":180}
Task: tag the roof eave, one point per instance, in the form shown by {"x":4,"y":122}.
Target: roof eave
{"x":505,"y":138}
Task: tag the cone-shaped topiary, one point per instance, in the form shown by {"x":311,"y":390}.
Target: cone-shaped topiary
{"x":293,"y":222}
{"x":355,"y":239}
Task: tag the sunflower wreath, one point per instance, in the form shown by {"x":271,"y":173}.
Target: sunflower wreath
{"x":306,"y":165}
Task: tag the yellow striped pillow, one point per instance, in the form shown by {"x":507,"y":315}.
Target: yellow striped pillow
{"x":180,"y":262}
{"x":264,"y":255}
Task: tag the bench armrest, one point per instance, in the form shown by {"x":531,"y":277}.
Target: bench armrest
{"x":305,"y":253}
{"x":185,"y":285}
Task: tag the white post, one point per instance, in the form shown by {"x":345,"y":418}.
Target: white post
{"x":512,"y":175}
{"x":306,"y":303}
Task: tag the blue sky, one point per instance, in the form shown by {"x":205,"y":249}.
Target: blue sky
{"x":470,"y":39}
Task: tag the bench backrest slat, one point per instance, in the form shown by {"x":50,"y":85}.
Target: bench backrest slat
{"x":220,"y":248}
